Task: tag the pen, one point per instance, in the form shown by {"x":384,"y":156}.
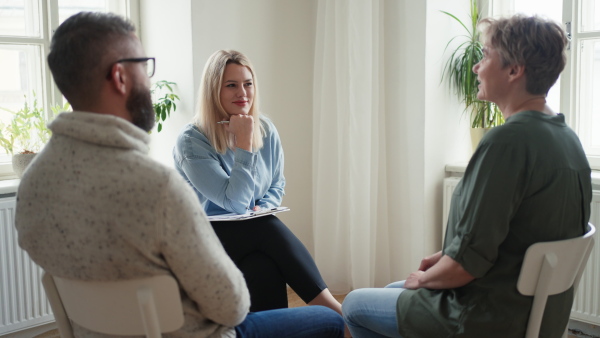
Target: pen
{"x":223,"y":122}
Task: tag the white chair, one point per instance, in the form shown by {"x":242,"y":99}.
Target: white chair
{"x":147,"y":306}
{"x":550,"y":268}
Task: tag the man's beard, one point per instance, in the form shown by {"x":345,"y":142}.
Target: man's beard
{"x":139,"y":105}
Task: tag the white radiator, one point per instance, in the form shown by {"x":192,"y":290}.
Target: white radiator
{"x":586,"y":307}
{"x":23,"y":303}
{"x":449,"y":185}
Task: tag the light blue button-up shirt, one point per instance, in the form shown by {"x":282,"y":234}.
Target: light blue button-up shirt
{"x":235,"y":181}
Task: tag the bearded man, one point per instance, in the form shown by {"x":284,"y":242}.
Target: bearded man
{"x":94,"y":206}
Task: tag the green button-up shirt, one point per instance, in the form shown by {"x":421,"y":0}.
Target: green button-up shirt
{"x":528,"y":181}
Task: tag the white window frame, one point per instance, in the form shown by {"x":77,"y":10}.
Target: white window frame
{"x":50,"y":95}
{"x":569,"y":81}
{"x":46,"y":97}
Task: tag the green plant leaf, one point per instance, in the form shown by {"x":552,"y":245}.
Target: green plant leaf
{"x":164,"y":101}
{"x":458,"y":72}
{"x":27,"y":129}
{"x":457,"y":19}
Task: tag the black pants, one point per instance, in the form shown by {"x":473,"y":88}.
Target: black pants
{"x":270,"y":256}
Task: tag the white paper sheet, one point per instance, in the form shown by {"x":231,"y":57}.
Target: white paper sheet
{"x":248,"y":215}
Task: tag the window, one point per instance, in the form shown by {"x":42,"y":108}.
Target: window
{"x":24,"y":43}
{"x":577,"y":93}
{"x":583,"y":23}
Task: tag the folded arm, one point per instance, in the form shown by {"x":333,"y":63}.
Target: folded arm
{"x":232,"y":191}
{"x":196,"y":257}
{"x":446,"y":273}
{"x":274,"y":195}
{"x":272,"y":198}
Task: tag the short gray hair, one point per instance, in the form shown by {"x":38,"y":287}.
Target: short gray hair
{"x":533,"y":42}
{"x":78,"y":50}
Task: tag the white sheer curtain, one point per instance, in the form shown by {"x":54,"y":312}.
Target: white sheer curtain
{"x":349,"y":185}
{"x":384,"y":127}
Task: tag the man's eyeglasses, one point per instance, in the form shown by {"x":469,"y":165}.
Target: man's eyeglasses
{"x":149,"y":64}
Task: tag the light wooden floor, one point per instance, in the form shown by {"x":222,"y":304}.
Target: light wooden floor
{"x":49,"y":334}
{"x":295,"y":301}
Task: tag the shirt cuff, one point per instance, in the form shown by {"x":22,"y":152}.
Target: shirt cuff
{"x":244,"y":157}
{"x":472,"y":261}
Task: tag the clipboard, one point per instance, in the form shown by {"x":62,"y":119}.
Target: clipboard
{"x":247,"y":215}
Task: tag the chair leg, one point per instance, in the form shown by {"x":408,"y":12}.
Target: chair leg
{"x":62,"y":320}
{"x":541,"y":296}
{"x":148,"y":312}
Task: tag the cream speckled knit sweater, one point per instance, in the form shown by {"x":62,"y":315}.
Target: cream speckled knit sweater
{"x":94,"y":206}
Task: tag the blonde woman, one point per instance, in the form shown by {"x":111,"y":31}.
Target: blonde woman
{"x":232,"y":157}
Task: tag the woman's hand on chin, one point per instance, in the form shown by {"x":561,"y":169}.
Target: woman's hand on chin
{"x":242,"y":127}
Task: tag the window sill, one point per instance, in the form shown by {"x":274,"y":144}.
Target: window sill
{"x":9,"y":187}
{"x":458,"y":170}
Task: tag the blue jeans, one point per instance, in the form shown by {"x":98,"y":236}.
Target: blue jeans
{"x":307,"y":321}
{"x":371,"y":313}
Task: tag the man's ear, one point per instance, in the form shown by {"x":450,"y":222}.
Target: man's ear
{"x":118,"y":78}
{"x":516,"y":72}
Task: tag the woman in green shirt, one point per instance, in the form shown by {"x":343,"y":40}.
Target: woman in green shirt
{"x":528,"y":181}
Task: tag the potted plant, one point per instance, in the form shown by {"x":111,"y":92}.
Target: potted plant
{"x":458,"y":71}
{"x":26,"y":133}
{"x":163,"y":105}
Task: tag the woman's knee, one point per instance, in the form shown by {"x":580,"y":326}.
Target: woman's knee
{"x":370,"y":301}
{"x":372,"y":310}
{"x":353,"y":302}
{"x":399,"y":284}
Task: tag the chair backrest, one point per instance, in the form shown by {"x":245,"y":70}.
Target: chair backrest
{"x":550,"y":268}
{"x":147,"y":306}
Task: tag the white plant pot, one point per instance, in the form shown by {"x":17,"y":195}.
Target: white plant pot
{"x":20,"y":163}
{"x":477,"y":135}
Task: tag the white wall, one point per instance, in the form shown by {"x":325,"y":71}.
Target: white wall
{"x":405,"y":86}
{"x":415,"y":97}
{"x":166,"y":33}
{"x":447,"y":137}
{"x":279,"y":37}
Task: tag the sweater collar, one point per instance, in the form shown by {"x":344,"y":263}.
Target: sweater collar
{"x":101,"y":129}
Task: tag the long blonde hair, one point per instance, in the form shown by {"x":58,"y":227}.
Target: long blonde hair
{"x":210,"y":110}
